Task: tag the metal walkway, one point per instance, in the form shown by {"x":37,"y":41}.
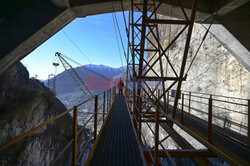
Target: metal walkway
{"x":117,"y":143}
{"x":226,"y":141}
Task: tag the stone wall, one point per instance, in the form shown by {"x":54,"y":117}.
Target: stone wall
{"x":214,"y":71}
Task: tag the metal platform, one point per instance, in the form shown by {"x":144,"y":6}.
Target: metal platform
{"x":221,"y":139}
{"x":117,"y":143}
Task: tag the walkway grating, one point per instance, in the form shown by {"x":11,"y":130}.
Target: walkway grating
{"x":118,"y":145}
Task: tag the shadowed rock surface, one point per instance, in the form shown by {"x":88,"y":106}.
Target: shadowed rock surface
{"x":25,"y":104}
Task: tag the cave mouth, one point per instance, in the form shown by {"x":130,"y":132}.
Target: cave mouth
{"x":213,"y":73}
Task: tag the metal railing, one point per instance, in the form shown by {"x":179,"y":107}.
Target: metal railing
{"x":151,"y":151}
{"x":108,"y":97}
{"x":198,"y":106}
{"x":229,"y":113}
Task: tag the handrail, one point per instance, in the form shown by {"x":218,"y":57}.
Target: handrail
{"x":109,"y":96}
{"x":61,"y":153}
{"x":216,"y":100}
{"x":218,"y":117}
{"x":98,"y":137}
{"x":158,"y":142}
{"x":208,"y":144}
{"x":137,"y":113}
{"x":90,"y":99}
{"x":145,"y":141}
{"x":83,"y":149}
{"x":215,"y":116}
{"x":172,"y":161}
{"x":4,"y":146}
{"x":215,"y":95}
{"x":217,"y":106}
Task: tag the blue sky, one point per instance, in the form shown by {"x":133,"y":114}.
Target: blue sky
{"x":94,"y":35}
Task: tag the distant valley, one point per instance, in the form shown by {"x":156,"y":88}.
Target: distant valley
{"x":69,"y":93}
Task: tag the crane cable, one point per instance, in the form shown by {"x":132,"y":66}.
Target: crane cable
{"x":127,"y":31}
{"x":127,"y":27}
{"x":118,"y":29}
{"x":77,"y":63}
{"x":224,"y":80}
{"x":86,"y":55}
{"x":203,"y":39}
{"x":124,"y":19}
{"x":169,"y":41}
{"x":115,"y":22}
{"x":203,"y":72}
{"x":117,"y":41}
{"x":83,"y":55}
{"x":76,"y":46}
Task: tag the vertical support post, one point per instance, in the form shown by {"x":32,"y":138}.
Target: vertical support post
{"x":189,"y":104}
{"x":248,"y":128}
{"x":74,"y":145}
{"x":113,"y":93}
{"x":139,"y":117}
{"x":131,"y":99}
{"x":110,"y":94}
{"x":126,"y":93}
{"x":167,"y":100}
{"x":95,"y":117}
{"x":156,"y":155}
{"x":182,"y":70}
{"x":128,"y":100}
{"x":210,"y":105}
{"x":103,"y":113}
{"x":141,"y":58}
{"x":135,"y":110}
{"x":107,"y":100}
{"x":133,"y":65}
{"x":182,"y":107}
{"x":110,"y":97}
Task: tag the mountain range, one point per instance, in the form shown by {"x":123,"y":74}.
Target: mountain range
{"x":68,"y":92}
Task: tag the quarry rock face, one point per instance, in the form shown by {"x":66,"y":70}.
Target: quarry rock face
{"x":25,"y":104}
{"x":214,"y":71}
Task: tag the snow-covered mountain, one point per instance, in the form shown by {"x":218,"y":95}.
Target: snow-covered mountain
{"x":69,"y":93}
{"x":65,"y":84}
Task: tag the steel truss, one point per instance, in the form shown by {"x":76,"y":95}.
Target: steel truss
{"x":143,"y":23}
{"x":75,"y":77}
{"x":149,"y":98}
{"x":51,"y":84}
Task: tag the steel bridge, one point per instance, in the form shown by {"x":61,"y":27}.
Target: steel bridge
{"x":116,"y":140}
{"x":135,"y":129}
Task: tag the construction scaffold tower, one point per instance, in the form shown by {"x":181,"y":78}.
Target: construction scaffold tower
{"x":51,"y":84}
{"x":142,"y":33}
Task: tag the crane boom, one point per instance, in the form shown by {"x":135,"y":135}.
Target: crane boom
{"x":77,"y":63}
{"x":75,"y":77}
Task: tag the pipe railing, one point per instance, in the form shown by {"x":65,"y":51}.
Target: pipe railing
{"x":214,"y":115}
{"x":153,"y":157}
{"x":221,"y":110}
{"x":240,"y":107}
{"x":186,"y":107}
{"x":108,"y":97}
